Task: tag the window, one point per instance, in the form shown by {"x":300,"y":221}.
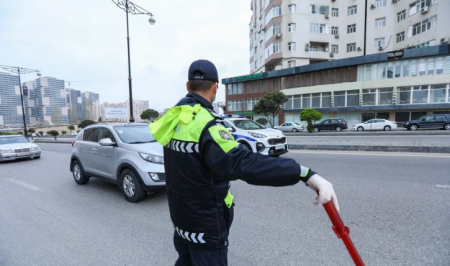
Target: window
{"x":437,"y":93}
{"x":318,"y":28}
{"x":276,"y":11}
{"x":447,"y":66}
{"x":420,"y":94}
{"x":404,"y":95}
{"x":316,"y":9}
{"x":385,"y":96}
{"x":379,"y":42}
{"x":401,"y":15}
{"x":380,"y":22}
{"x":276,"y":47}
{"x":326,"y":99}
{"x":398,"y":69}
{"x":91,"y":134}
{"x":416,"y":29}
{"x":291,"y":46}
{"x":351,"y":10}
{"x":291,"y":9}
{"x":250,"y":103}
{"x":235,"y":105}
{"x":334,"y":30}
{"x":400,"y":37}
{"x":291,"y":63}
{"x":353,"y":98}
{"x":430,"y":64}
{"x":369,"y":96}
{"x":367,"y":72}
{"x":425,"y":25}
{"x":390,"y":70}
{"x":380,"y":3}
{"x":439,"y":65}
{"x":335,"y":49}
{"x":314,"y":48}
{"x":422,"y":67}
{"x":351,"y":47}
{"x":276,"y":29}
{"x":335,"y":12}
{"x":292,"y":27}
{"x":106,"y":134}
{"x":235,"y":88}
{"x":351,"y":28}
{"x":315,"y":100}
{"x":405,"y":69}
{"x":339,"y":99}
{"x":306,"y":101}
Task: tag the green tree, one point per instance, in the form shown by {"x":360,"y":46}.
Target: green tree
{"x":150,"y":115}
{"x":53,"y":133}
{"x":270,"y":105}
{"x":85,"y":123}
{"x":71,"y":127}
{"x":63,"y":132}
{"x":261,"y":121}
{"x":309,"y":115}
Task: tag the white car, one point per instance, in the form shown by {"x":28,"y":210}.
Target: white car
{"x":376,"y":124}
{"x":13,"y":147}
{"x":256,"y":137}
{"x":290,"y":127}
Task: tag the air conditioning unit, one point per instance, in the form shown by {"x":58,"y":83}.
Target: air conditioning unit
{"x":380,"y":48}
{"x":333,"y":0}
{"x":445,"y":40}
{"x":327,"y":15}
{"x":408,"y":45}
{"x":260,"y":17}
{"x":372,"y":6}
{"x":424,"y":10}
{"x":331,"y":54}
{"x":359,"y":49}
{"x":278,"y":35}
{"x":263,"y":29}
{"x":307,"y":47}
{"x":336,"y":36}
{"x":394,"y":1}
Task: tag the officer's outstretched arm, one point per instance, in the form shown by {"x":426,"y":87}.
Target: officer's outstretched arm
{"x":230,"y":161}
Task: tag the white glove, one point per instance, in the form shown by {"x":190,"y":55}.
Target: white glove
{"x":325,"y":189}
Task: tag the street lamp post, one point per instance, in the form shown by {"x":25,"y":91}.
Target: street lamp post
{"x":18,"y":71}
{"x":130,"y":7}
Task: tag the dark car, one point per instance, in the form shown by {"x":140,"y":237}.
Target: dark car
{"x":429,"y":121}
{"x":337,"y":124}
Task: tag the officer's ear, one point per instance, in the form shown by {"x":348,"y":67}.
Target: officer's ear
{"x":187,"y":86}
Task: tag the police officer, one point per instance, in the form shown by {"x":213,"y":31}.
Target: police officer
{"x":201,"y":158}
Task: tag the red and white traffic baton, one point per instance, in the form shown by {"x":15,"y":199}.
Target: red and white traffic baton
{"x":342,"y":232}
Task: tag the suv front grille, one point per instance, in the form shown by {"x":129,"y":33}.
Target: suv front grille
{"x":277,"y":141}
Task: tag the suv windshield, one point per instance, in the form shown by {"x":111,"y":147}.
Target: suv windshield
{"x":134,"y":134}
{"x":13,"y":139}
{"x":247,"y":124}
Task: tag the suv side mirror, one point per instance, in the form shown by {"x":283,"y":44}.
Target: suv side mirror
{"x":230,"y":129}
{"x":106,"y":142}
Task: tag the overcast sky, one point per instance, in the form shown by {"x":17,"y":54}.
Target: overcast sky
{"x":85,"y":40}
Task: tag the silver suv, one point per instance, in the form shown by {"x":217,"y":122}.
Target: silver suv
{"x":125,"y":154}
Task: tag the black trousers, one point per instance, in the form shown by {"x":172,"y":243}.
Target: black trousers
{"x":188,"y":256}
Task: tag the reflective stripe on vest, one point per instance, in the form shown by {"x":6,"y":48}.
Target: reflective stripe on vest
{"x":229,"y":199}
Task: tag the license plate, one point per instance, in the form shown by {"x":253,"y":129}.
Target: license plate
{"x":23,"y":154}
{"x":279,"y":147}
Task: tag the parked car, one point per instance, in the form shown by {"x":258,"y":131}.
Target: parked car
{"x":376,"y":124}
{"x":256,"y":137}
{"x":13,"y":147}
{"x":429,"y":121}
{"x":337,"y":124}
{"x":290,"y":126}
{"x":124,"y":154}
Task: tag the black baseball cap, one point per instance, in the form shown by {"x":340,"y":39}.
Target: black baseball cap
{"x":203,"y":70}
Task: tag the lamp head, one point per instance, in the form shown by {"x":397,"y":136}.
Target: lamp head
{"x":152,"y":20}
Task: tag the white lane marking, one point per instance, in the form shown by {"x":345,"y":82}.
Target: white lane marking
{"x":23,"y":184}
{"x":372,"y":154}
{"x":443,"y":186}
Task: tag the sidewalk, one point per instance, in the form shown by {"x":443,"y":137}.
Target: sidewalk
{"x":397,"y":132}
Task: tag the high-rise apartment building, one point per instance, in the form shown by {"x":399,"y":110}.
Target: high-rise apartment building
{"x":50,"y":100}
{"x":74,"y":105}
{"x":291,"y":33}
{"x":10,"y":103}
{"x":88,"y":101}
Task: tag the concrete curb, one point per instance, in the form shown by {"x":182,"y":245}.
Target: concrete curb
{"x":366,"y":133}
{"x":52,"y":142}
{"x":421,"y":149}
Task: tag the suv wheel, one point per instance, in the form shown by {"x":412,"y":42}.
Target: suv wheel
{"x":360,"y":129}
{"x":338,"y":129}
{"x":413,"y":127}
{"x":78,"y":173}
{"x":447,"y":126}
{"x":387,"y":128}
{"x":246,"y":147}
{"x":316,"y":129}
{"x":132,"y":189}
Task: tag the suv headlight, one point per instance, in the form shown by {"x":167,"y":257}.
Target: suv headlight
{"x":152,"y":158}
{"x":6,"y":151}
{"x":257,"y":135}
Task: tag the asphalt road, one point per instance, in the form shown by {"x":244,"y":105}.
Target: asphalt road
{"x":396,"y":205}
